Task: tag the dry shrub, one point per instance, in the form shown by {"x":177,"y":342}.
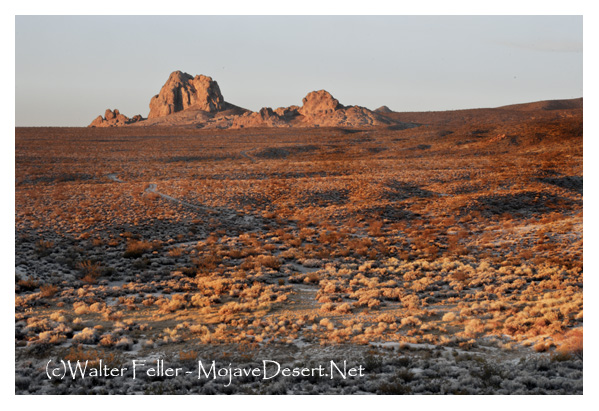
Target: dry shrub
{"x":86,"y":336}
{"x":97,"y":242}
{"x":329,"y":288}
{"x":207,"y":263}
{"x":411,"y":302}
{"x":295,"y":242}
{"x":327,"y":307}
{"x":48,"y":290}
{"x":107,"y":340}
{"x":58,"y":316}
{"x":27,"y":285}
{"x":411,"y":321}
{"x":188,"y":356}
{"x":344,"y":308}
{"x":448,"y":317}
{"x":51,"y":337}
{"x":328,"y":237}
{"x":80,"y":308}
{"x":80,"y":353}
{"x":198,"y":300}
{"x":98,"y":307}
{"x":386,"y":318}
{"x":269,"y":261}
{"x":461,"y":276}
{"x":89,"y":279}
{"x":231,"y":308}
{"x":325,"y":322}
{"x":136,"y":248}
{"x":237,"y":254}
{"x":177,"y":302}
{"x":312,"y":278}
{"x":474,"y":326}
{"x":175,"y":252}
{"x":572,"y":344}
{"x":374,"y":228}
{"x":149,"y":300}
{"x":91,"y":271}
{"x":42,"y":247}
{"x":199,"y":329}
{"x":541,"y":346}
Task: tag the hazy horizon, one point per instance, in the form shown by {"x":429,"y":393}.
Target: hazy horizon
{"x":70,"y":69}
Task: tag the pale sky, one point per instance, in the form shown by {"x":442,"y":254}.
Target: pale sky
{"x":70,"y":69}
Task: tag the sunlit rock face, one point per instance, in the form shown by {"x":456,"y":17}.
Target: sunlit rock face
{"x":182,"y":91}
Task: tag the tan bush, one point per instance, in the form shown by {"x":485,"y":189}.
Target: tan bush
{"x":448,"y":317}
{"x":176,"y":252}
{"x":86,"y":336}
{"x":572,"y":343}
{"x":48,"y":290}
{"x":327,"y":307}
{"x":474,"y":327}
{"x":136,"y":248}
{"x":411,"y":321}
{"x":325,"y":322}
{"x":344,"y":308}
{"x":312,"y":278}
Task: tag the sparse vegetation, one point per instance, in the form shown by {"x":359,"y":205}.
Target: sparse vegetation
{"x":426,"y":243}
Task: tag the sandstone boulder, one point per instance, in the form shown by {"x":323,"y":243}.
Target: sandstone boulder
{"x":182,"y":91}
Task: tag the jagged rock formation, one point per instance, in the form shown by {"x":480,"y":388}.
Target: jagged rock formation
{"x":114,"y":119}
{"x":197,"y":101}
{"x":182,"y":92}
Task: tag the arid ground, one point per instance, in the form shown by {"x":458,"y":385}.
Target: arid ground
{"x":444,"y":258}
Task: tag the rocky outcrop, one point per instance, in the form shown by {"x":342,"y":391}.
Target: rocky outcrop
{"x":319,"y":103}
{"x":114,"y":119}
{"x":182,"y":92}
{"x":287,"y":112}
{"x":197,"y":101}
{"x":321,"y":109}
{"x":266,"y":117}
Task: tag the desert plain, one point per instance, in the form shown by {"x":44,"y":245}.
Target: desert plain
{"x":438,"y":252}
